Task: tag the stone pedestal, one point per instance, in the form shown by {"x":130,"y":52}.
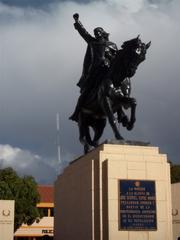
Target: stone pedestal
{"x":176,"y":209}
{"x":7,"y":219}
{"x":115,"y":192}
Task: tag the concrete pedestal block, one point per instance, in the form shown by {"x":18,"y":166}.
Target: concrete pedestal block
{"x":7,"y":219}
{"x":89,"y":199}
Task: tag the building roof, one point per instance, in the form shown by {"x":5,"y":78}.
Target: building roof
{"x":47,"y":193}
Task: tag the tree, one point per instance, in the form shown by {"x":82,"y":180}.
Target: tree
{"x":24,"y":192}
{"x":175,"y":173}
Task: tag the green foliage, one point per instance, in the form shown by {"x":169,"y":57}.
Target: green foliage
{"x":24,"y":192}
{"x":175,"y":173}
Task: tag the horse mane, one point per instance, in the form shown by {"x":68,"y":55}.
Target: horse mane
{"x":130,"y":43}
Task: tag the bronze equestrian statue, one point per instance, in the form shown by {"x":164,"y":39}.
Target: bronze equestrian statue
{"x":105,"y":84}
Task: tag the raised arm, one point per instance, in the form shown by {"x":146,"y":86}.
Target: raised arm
{"x":80,"y":28}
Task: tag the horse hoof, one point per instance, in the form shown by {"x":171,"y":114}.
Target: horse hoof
{"x":130,"y":127}
{"x":125,"y":121}
{"x":86,"y":149}
{"x":95,"y":144}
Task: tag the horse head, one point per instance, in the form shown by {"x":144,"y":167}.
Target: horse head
{"x":135,"y":53}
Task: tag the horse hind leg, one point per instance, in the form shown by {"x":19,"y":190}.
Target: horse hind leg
{"x":86,"y":148}
{"x":88,"y":136}
{"x":98,"y":131}
{"x":109,"y":112}
{"x":84,"y":133}
{"x":89,"y":143}
{"x":133,"y":115}
{"x":85,"y":140}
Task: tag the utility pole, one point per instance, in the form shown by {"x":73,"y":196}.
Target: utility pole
{"x":58,"y":139}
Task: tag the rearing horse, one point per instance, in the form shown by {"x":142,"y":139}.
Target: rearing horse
{"x":112,"y":96}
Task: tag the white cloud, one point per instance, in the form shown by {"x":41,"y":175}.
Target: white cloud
{"x":28,"y":163}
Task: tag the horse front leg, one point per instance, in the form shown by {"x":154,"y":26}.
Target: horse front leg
{"x":112,"y":121}
{"x":133,"y":104}
{"x":122,"y":118}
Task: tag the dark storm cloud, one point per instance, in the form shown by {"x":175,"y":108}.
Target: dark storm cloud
{"x":27,"y":3}
{"x":41,"y":59}
{"x":45,"y":4}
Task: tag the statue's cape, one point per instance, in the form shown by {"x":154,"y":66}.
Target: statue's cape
{"x":86,"y":67}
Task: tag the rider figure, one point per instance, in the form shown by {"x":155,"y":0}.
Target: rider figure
{"x":99,"y":55}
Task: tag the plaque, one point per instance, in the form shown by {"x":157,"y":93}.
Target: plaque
{"x":137,"y":205}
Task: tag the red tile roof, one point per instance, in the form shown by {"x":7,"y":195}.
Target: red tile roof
{"x":47,"y":193}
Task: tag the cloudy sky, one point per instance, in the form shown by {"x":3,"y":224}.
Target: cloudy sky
{"x":41,"y":59}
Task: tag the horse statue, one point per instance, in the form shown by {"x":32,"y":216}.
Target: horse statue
{"x":112,"y":98}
